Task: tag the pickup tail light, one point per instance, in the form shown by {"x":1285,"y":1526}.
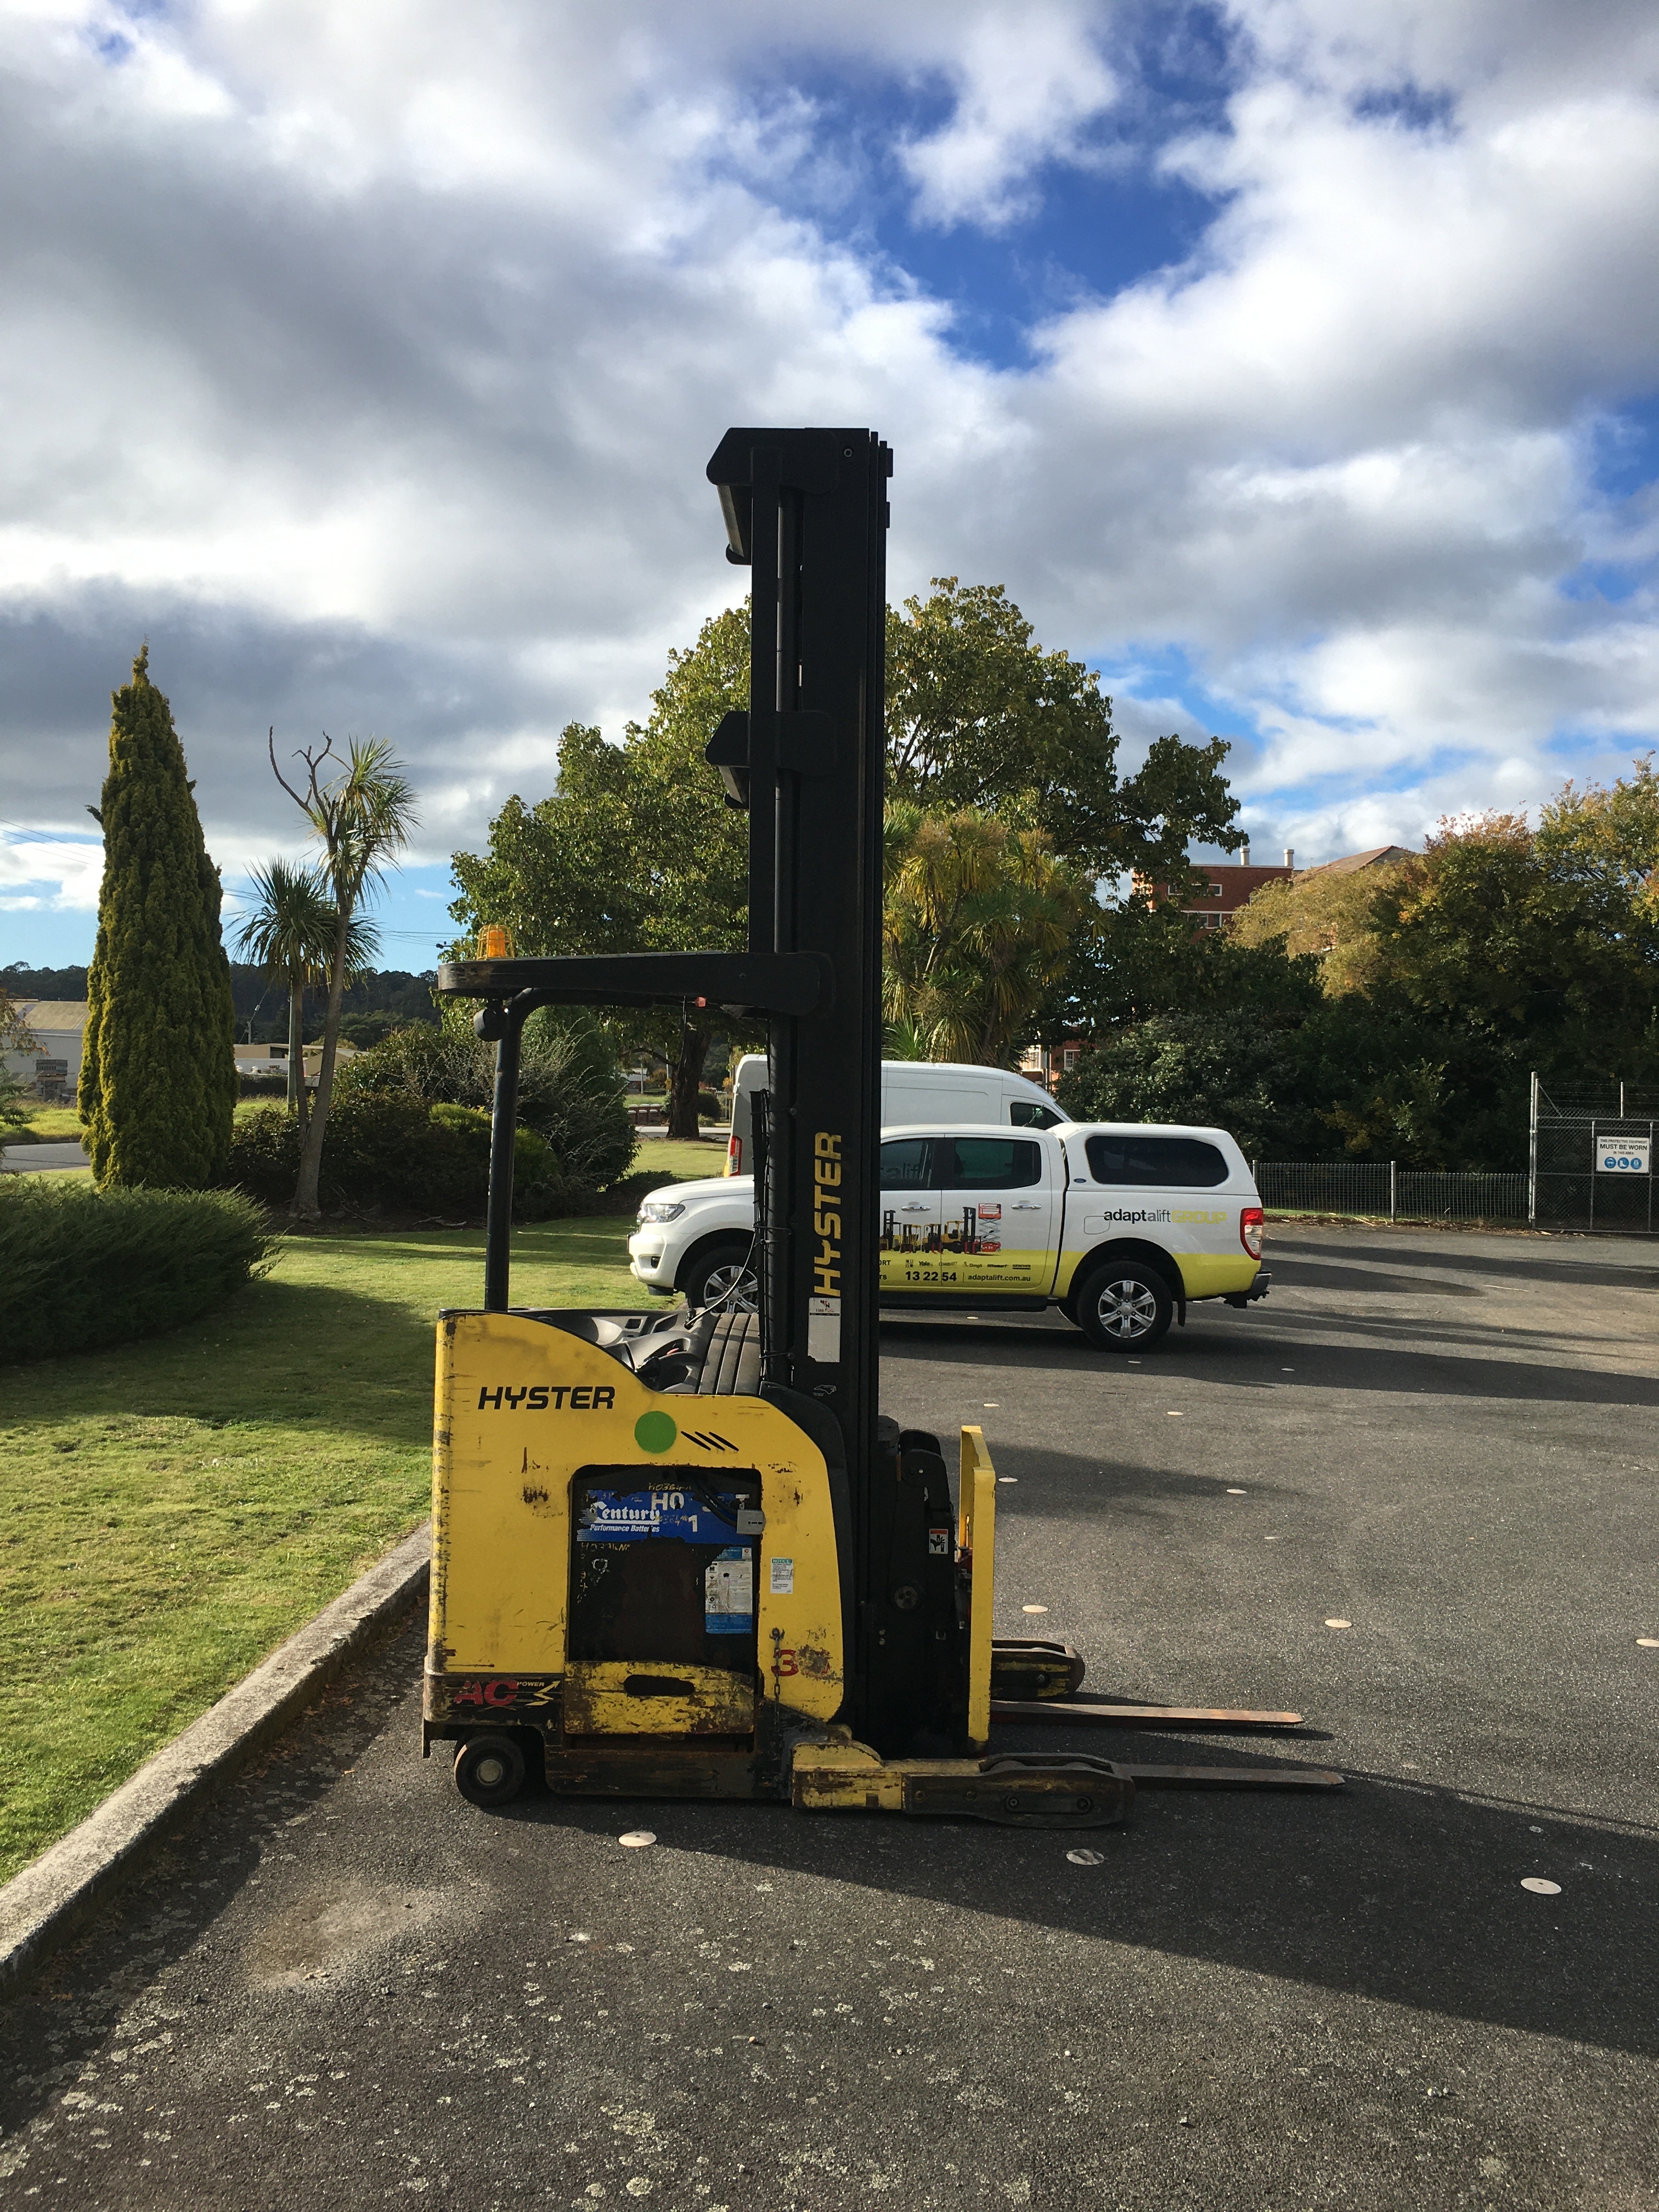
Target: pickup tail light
{"x":734,"y":1156}
{"x":1252,"y":1227}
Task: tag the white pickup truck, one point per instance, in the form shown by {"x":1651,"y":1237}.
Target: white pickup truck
{"x":1120,"y":1226}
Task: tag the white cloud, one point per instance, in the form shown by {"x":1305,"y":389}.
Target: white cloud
{"x":367,"y":359}
{"x":52,"y":874}
{"x":1028,"y":81}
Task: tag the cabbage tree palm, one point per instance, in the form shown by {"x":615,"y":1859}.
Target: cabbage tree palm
{"x":977,"y":923}
{"x":360,"y":818}
{"x":290,"y":934}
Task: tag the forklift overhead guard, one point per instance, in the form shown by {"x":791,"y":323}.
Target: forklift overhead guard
{"x":741,"y":982}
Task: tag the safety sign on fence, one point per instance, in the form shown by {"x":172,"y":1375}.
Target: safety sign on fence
{"x":1623,"y":1155}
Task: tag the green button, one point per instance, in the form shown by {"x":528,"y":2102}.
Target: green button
{"x":654,"y":1432}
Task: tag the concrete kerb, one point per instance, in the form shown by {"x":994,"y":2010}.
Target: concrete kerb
{"x":42,"y":1907}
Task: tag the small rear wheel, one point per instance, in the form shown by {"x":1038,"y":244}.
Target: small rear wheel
{"x":489,"y":1770}
{"x":1123,"y":1305}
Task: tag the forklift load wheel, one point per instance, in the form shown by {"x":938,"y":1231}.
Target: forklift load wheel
{"x":489,"y":1770}
{"x":1123,"y":1305}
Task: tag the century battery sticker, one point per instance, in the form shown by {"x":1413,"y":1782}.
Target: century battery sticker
{"x":728,"y":1603}
{"x":620,"y":1517}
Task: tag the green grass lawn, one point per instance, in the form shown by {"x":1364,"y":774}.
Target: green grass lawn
{"x":170,"y":1511}
{"x":680,"y":1157}
{"x":45,"y":1125}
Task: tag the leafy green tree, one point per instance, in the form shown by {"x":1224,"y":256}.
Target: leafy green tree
{"x":1333,"y":917}
{"x":1524,"y":936}
{"x":362,"y":819}
{"x":15,"y":1035}
{"x":635,"y":850}
{"x":14,"y":1039}
{"x":158,"y":1075}
{"x":1220,"y":1070}
{"x":980,"y":716}
{"x":290,"y":934}
{"x":1135,"y":960}
{"x":976,"y":921}
{"x":1606,"y":838}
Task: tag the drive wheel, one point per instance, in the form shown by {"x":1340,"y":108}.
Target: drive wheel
{"x":724,"y":1276}
{"x":1123,"y":1306}
{"x":489,"y":1770}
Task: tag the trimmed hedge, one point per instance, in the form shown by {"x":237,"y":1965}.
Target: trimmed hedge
{"x":82,"y":1268}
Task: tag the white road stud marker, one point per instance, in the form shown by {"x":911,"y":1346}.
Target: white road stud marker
{"x":637,"y":1838}
{"x":1339,"y":1624}
{"x":1034,"y":1608}
{"x":1238,"y":1493}
{"x":1647,"y":1642}
{"x":1539,"y":1887}
{"x":1086,"y":1858}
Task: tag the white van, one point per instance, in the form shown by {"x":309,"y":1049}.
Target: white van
{"x":944,"y":1091}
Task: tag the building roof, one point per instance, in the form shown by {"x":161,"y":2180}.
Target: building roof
{"x":1380,"y":856}
{"x":53,"y":1013}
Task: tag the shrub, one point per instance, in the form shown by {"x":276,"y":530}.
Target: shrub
{"x":570,"y":1088}
{"x":391,"y":1150}
{"x":708,"y":1106}
{"x":81,"y":1268}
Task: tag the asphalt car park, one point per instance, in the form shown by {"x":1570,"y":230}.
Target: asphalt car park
{"x":1411,"y":1495}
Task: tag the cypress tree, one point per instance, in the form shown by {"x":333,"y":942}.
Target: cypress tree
{"x":158,"y":1075}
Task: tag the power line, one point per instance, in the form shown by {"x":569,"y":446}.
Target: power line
{"x":52,"y":836}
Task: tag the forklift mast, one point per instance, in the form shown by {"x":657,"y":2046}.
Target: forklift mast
{"x":807,"y":510}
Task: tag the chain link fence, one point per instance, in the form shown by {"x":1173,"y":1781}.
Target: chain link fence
{"x":1382,"y":1190}
{"x":1591,"y":1156}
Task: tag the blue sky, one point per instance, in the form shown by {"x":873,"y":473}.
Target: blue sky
{"x":1295,"y":363}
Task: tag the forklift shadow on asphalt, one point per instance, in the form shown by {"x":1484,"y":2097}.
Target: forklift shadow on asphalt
{"x":1395,"y":1893}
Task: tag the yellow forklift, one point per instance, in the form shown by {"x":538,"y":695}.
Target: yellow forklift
{"x":683,"y":1554}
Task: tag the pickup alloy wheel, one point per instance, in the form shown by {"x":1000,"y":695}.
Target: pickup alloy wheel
{"x":1123,"y":1306}
{"x":723,"y":1276}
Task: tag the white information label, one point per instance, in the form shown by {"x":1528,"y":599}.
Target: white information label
{"x":729,"y":1584}
{"x":1624,"y":1155}
{"x":783,"y":1578}
{"x":823,"y":1330}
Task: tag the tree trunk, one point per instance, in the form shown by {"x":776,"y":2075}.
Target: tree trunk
{"x":306,"y":1202}
{"x":686,"y":1080}
{"x":296,"y":1053}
